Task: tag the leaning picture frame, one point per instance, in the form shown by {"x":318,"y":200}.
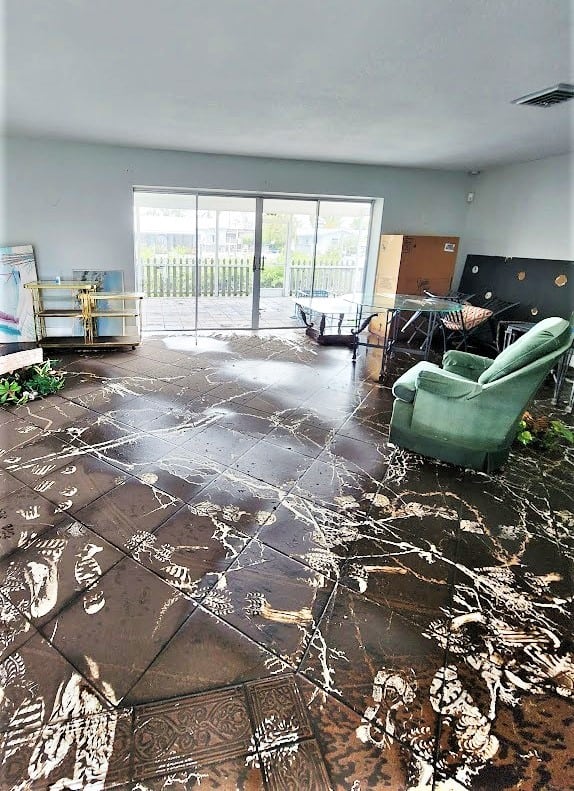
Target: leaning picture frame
{"x":17,"y":267}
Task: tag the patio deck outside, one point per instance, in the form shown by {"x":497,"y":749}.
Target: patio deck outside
{"x":225,"y":292}
{"x":178,"y":313}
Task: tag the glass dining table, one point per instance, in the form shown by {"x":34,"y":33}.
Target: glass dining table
{"x":393,"y":306}
{"x":331,"y":321}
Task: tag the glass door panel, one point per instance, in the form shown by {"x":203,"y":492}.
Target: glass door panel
{"x":165,"y":255}
{"x":342,"y":239}
{"x":287,"y":255}
{"x":226,"y":249}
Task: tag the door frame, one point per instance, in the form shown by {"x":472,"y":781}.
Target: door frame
{"x":258,"y":239}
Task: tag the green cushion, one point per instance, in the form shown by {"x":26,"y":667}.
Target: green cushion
{"x":406,"y":385}
{"x":544,"y":338}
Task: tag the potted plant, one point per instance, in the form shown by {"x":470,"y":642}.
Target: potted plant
{"x":28,"y":384}
{"x":544,"y":433}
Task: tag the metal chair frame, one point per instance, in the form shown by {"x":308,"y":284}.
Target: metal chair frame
{"x":494,"y":304}
{"x":419,"y":322}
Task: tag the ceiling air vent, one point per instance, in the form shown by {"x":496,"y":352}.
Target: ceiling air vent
{"x":549,"y":96}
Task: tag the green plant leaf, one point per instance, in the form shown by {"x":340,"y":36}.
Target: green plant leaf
{"x":525,"y":437}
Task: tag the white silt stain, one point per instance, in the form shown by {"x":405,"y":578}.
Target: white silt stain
{"x":87,"y":569}
{"x":43,"y":584}
{"x":324,"y":561}
{"x":469,"y":526}
{"x":77,"y":720}
{"x":64,"y":506}
{"x":69,"y":491}
{"x":76,"y":432}
{"x":258,"y":605}
{"x":26,"y":720}
{"x":346,"y":501}
{"x":218,"y":599}
{"x":265,"y":518}
{"x":164,"y":610}
{"x":94,"y":601}
{"x":395,"y":692}
{"x":69,"y":470}
{"x":181,"y":578}
{"x":12,"y":671}
{"x":473,"y":743}
{"x":44,"y":486}
{"x":106,"y":687}
{"x":26,"y":429}
{"x":323,"y":653}
{"x":76,"y":529}
{"x":273,"y":733}
{"x":33,"y":512}
{"x":118,"y":388}
{"x":148,"y":477}
{"x":11,"y":624}
{"x":41,"y":576}
{"x":42,"y":469}
{"x":566,"y":517}
{"x":25,"y":537}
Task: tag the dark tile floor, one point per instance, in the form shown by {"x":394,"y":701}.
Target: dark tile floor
{"x":216,"y":572}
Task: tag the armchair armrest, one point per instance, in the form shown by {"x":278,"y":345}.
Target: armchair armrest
{"x":446,"y":384}
{"x":469,"y":366}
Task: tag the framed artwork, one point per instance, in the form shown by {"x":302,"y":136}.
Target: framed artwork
{"x":17,"y":267}
{"x":107,"y":280}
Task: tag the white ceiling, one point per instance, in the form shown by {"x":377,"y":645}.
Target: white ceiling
{"x":401,"y":82}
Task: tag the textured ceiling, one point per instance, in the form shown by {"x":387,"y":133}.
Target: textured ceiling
{"x":402,"y":82}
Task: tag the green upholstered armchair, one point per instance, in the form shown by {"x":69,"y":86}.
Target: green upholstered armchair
{"x":467,"y":412}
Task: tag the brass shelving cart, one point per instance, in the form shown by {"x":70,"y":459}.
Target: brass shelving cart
{"x":85,"y":308}
{"x":126,"y":306}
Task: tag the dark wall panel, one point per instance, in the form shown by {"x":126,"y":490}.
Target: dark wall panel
{"x":533,"y":282}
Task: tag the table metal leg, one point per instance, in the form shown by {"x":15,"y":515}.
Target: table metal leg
{"x":391,"y":331}
{"x":560,"y":376}
{"x":430,"y":332}
{"x":361,"y":324}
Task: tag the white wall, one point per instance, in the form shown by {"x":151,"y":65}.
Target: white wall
{"x":523,"y":211}
{"x":73,"y":201}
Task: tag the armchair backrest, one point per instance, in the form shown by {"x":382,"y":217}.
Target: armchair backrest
{"x":545,"y":338}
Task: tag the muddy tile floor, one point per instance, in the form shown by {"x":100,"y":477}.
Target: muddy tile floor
{"x":217,"y":573}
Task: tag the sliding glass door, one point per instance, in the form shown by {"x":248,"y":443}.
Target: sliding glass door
{"x":165,"y":254}
{"x":287,"y":255}
{"x":226,"y":229}
{"x":342,"y":240}
{"x":207,"y":261}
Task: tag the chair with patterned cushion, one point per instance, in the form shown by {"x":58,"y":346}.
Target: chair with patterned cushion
{"x":418,"y":324}
{"x":467,"y":412}
{"x":461,"y":325}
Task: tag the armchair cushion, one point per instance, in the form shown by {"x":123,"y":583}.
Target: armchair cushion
{"x":405,"y":387}
{"x":429,"y":377}
{"x":471,"y":366}
{"x":447,"y":385}
{"x":544,"y":338}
